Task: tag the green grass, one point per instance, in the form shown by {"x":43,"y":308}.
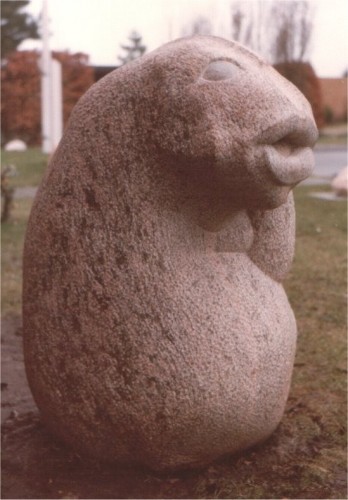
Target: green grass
{"x":305,"y":457}
{"x":12,"y":239}
{"x":333,"y":135}
{"x":317,"y":289}
{"x":326,"y":140}
{"x":30,"y":166}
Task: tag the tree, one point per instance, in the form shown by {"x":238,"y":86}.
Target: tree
{"x":21,"y":103}
{"x":20,"y":106}
{"x":293,"y":30}
{"x":302,"y":75}
{"x":237,"y":18}
{"x":200,"y":26}
{"x":280,"y":31}
{"x":16,"y":26}
{"x":134,"y":50}
{"x":250,"y":26}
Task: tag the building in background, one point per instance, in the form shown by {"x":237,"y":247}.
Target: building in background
{"x":334,"y":98}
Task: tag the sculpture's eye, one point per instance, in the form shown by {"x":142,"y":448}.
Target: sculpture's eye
{"x":220,"y":70}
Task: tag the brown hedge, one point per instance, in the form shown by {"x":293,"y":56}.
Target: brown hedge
{"x":21,"y":103}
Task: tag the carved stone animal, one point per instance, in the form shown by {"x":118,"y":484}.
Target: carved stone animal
{"x":156,"y":329}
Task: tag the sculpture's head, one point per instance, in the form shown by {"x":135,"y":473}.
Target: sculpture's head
{"x":228,"y":121}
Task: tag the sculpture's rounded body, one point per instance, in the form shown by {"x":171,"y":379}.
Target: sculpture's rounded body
{"x":156,"y":329}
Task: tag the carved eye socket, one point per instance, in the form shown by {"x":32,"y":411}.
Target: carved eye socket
{"x":220,"y":70}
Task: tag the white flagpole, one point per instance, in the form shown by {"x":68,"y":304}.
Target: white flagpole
{"x":45,"y":82}
{"x":51,"y":90}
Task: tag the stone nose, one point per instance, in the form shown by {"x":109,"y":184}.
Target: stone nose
{"x":288,"y":150}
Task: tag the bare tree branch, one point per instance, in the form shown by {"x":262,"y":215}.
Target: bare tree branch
{"x":199,"y":26}
{"x":279,"y":30}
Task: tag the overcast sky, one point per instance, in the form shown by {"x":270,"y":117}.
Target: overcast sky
{"x":98,"y":27}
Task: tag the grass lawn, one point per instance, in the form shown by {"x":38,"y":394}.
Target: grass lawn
{"x":333,"y":135}
{"x":29,"y":164}
{"x":305,"y":457}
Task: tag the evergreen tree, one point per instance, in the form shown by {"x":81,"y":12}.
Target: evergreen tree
{"x":134,"y":49}
{"x":16,"y":26}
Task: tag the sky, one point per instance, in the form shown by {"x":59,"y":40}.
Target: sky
{"x":98,"y":27}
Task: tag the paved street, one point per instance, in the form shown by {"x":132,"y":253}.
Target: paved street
{"x":328,"y":162}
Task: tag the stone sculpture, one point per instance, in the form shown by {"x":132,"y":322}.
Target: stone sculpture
{"x":156,"y":328}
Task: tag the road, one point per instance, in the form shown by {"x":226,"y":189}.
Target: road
{"x":328,"y":162}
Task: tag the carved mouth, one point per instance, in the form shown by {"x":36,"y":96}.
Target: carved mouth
{"x":289,"y":166}
{"x":288,"y":150}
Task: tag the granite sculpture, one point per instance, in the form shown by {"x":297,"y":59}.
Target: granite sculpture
{"x":156,"y":327}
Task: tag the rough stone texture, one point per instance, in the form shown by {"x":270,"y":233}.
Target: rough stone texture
{"x":156,"y":329}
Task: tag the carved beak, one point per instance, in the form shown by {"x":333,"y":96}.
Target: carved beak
{"x":288,"y":150}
